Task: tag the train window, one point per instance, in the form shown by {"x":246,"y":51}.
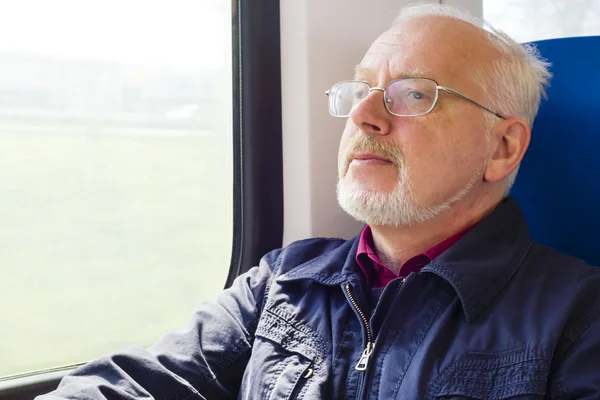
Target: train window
{"x":116,"y":174}
{"x":529,"y":20}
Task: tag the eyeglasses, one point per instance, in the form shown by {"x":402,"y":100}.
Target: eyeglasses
{"x":406,"y":97}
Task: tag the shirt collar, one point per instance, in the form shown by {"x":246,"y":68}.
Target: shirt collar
{"x":377,"y":273}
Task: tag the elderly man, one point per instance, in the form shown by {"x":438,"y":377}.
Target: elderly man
{"x":443,"y":294}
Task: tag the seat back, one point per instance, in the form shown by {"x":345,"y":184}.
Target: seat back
{"x":558,"y":186}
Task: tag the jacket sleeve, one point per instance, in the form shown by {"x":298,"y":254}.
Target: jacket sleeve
{"x":204,"y":361}
{"x":578,"y":375}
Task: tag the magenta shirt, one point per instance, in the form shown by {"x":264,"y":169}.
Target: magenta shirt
{"x":378,"y":275}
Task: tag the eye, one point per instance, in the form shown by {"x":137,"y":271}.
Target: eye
{"x":360,"y":94}
{"x":416,"y":95}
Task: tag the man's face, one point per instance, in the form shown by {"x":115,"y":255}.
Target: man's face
{"x":401,"y":170}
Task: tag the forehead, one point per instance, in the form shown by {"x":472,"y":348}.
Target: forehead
{"x":442,"y":48}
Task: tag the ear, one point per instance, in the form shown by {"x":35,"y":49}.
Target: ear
{"x":510,"y":139}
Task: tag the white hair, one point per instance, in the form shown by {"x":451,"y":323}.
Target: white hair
{"x":513,"y":85}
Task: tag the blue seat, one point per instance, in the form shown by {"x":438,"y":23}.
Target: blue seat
{"x":558,"y":186}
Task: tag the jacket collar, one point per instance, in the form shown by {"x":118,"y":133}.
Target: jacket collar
{"x":478,"y":266}
{"x":331,"y":268}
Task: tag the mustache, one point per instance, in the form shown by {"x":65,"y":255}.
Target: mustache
{"x":372,"y":144}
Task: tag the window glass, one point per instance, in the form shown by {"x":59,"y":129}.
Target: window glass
{"x":115,"y":174}
{"x":529,"y":20}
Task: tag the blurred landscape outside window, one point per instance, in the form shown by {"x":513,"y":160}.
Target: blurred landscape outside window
{"x":115,"y":174}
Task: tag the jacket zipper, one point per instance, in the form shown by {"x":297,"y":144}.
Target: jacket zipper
{"x":364,"y":359}
{"x":366,"y":355}
{"x":363,"y":363}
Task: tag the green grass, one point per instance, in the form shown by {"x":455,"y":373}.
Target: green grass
{"x":107,"y":239}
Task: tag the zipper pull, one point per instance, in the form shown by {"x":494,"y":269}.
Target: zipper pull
{"x":364,"y":359}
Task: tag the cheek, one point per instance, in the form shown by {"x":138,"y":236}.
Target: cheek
{"x":445,"y":164}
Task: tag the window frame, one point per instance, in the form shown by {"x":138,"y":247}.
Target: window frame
{"x":257,"y":134}
{"x":257,"y":170}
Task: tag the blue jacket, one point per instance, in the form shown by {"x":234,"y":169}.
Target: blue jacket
{"x":496,"y":316}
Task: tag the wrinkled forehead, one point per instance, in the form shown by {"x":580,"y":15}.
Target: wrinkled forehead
{"x":442,"y":48}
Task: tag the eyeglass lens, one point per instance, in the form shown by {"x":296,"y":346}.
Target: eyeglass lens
{"x":403,"y":97}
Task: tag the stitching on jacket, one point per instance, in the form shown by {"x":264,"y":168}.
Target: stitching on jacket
{"x":321,"y":277}
{"x":456,"y":283}
{"x":493,"y":362}
{"x":559,"y":387}
{"x":291,"y":320}
{"x":307,"y":341}
{"x":298,"y":380}
{"x":504,"y":385}
{"x":276,"y":374}
{"x":260,"y":308}
{"x":267,"y":291}
{"x":303,"y":390}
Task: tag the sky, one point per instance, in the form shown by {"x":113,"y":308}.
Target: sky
{"x":184,"y":34}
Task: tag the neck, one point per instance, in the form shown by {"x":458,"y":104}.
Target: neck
{"x":395,"y":245}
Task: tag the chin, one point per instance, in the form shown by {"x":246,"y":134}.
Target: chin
{"x":384,"y":208}
{"x":375,"y":186}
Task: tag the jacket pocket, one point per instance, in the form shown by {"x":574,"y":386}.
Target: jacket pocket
{"x":518,"y":374}
{"x":283,"y":360}
{"x":290,"y":381}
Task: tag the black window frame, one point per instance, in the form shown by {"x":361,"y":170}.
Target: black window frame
{"x":258,"y":165}
{"x":258,"y":176}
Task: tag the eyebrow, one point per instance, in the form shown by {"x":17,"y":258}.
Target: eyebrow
{"x":361,"y":72}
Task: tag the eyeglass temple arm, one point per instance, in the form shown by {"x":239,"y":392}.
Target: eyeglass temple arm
{"x":455,"y":93}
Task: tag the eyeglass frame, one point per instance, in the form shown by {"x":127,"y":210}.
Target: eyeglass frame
{"x":437,"y":86}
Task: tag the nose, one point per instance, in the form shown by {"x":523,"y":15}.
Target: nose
{"x":370,"y":115}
